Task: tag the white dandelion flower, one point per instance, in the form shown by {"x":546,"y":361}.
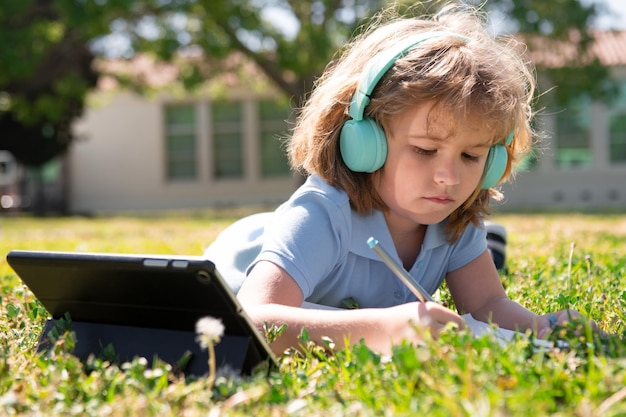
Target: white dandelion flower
{"x":210,"y":330}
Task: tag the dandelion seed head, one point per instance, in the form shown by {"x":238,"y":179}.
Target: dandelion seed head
{"x":210,"y":330}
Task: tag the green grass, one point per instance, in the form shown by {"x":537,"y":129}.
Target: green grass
{"x":554,"y":262}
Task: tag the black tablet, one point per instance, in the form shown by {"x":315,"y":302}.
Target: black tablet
{"x":141,"y":304}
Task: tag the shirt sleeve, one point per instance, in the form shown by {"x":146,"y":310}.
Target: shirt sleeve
{"x":307,"y":238}
{"x":470,"y":245}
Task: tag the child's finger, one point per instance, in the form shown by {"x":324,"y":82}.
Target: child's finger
{"x":438,"y":315}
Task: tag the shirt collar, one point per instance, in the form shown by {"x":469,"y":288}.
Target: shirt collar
{"x":374,"y":225}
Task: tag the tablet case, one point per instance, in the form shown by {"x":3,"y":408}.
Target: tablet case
{"x":141,"y":305}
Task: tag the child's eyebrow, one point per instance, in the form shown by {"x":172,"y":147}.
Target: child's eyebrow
{"x":481,"y":145}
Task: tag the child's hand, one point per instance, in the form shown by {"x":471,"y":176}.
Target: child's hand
{"x":410,"y":322}
{"x":559,"y":318}
{"x":436,"y":317}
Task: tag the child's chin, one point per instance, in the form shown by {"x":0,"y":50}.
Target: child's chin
{"x":433,"y":219}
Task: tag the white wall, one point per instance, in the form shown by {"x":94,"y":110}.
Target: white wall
{"x":582,"y":189}
{"x":119,"y":164}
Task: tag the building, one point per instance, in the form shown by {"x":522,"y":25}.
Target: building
{"x":221,"y":147}
{"x":582,"y":162}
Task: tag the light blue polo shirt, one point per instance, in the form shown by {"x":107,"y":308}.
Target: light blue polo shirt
{"x":322,"y":243}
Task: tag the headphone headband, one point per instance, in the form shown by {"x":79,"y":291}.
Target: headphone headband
{"x":377,"y":67}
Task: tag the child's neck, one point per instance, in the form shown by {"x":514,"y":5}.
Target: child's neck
{"x":408,"y":244}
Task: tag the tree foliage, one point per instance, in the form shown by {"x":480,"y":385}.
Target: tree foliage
{"x":552,"y":28}
{"x":48,"y":48}
{"x":47,"y":70}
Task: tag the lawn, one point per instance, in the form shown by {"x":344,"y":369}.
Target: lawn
{"x":554,"y":262}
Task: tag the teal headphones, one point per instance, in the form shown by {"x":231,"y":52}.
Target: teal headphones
{"x":362,"y":141}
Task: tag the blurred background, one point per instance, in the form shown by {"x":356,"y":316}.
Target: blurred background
{"x":122,"y":105}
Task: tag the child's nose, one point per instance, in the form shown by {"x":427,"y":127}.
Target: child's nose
{"x":447,"y":172}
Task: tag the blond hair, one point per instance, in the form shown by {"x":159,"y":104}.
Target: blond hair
{"x":479,"y":77}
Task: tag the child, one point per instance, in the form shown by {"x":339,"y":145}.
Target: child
{"x":402,"y":139}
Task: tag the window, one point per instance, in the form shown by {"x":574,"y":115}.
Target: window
{"x":227,"y":139}
{"x":181,"y":163}
{"x":232,"y":129}
{"x":618,"y":138}
{"x":617,"y":128}
{"x":273,"y":117}
{"x":573,"y":145}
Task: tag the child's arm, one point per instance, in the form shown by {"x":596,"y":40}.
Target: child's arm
{"x":476,"y":289}
{"x":270,"y":295}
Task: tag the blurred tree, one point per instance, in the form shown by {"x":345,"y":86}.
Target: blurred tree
{"x":48,"y":48}
{"x":46,"y":69}
{"x":558,"y":35}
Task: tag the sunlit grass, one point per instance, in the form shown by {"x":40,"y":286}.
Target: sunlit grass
{"x":554,"y":261}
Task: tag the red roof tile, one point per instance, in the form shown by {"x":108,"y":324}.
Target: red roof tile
{"x":609,"y":47}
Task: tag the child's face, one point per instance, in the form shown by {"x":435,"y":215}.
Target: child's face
{"x":433,"y":165}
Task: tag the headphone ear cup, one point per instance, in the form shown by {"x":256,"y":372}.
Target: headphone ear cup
{"x":495,"y":166}
{"x":363,"y":145}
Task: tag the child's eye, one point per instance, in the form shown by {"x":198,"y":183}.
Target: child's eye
{"x":471,"y":158}
{"x":426,"y":152}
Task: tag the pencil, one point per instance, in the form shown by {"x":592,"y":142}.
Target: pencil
{"x":399,"y":271}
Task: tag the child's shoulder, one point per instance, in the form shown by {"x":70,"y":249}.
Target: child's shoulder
{"x":317,"y":202}
{"x":315,"y":189}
